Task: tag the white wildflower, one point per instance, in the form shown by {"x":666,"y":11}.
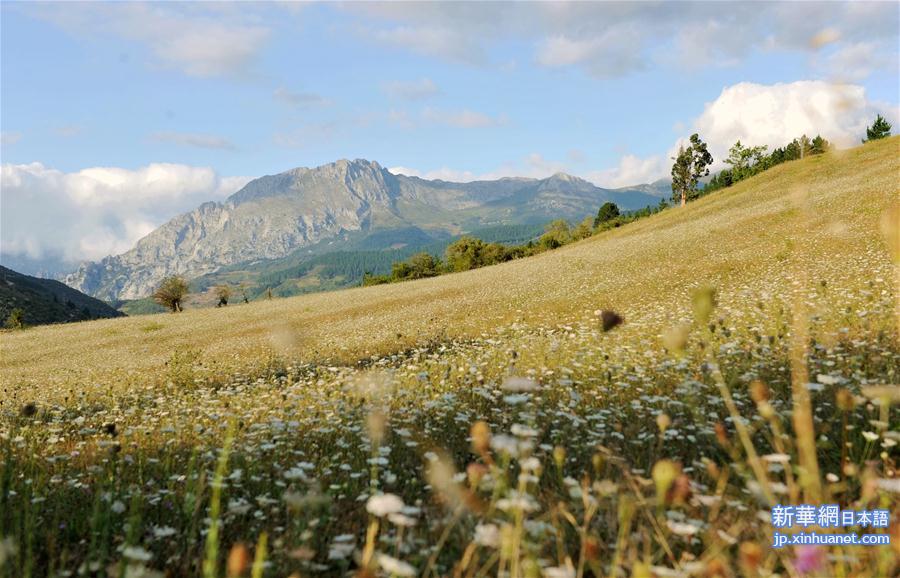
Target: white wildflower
{"x":559,"y":572}
{"x":163,"y":531}
{"x":395,"y":566}
{"x":137,"y":553}
{"x":487,"y":535}
{"x":384,"y":504}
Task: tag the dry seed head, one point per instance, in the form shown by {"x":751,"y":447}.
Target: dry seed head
{"x":377,"y":423}
{"x":598,"y":461}
{"x":716,"y":568}
{"x":559,"y":456}
{"x":663,"y":422}
{"x":844,"y":400}
{"x":641,"y":570}
{"x":750,"y":555}
{"x":766,"y":410}
{"x":675,"y":338}
{"x":759,"y":391}
{"x":680,"y":492}
{"x":475,"y":472}
{"x":664,"y":473}
{"x":238,"y":560}
{"x":481,"y":437}
{"x":704,"y":302}
{"x":721,"y":433}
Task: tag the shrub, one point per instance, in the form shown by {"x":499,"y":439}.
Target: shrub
{"x":465,"y":253}
{"x":16,"y":319}
{"x":556,"y":235}
{"x":370,"y":279}
{"x":223,"y":294}
{"x":607,"y":212}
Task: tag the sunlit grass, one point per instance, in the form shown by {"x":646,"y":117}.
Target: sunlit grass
{"x":483,"y":423}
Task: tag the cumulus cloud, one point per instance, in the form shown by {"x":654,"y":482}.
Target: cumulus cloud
{"x":775,"y":114}
{"x":759,"y":114}
{"x":205,"y":141}
{"x":195,"y":39}
{"x":411,"y":90}
{"x":97,"y":211}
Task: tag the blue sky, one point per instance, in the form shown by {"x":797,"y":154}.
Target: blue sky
{"x":94,"y":96}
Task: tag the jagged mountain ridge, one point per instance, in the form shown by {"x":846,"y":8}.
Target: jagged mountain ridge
{"x":276,"y":214}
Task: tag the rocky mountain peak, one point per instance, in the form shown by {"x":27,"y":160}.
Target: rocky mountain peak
{"x":274,"y":215}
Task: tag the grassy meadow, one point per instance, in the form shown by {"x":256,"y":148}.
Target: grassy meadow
{"x":494,"y":422}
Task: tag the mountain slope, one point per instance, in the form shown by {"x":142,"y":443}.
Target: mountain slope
{"x":274,"y":215}
{"x":47,"y":301}
{"x":815,"y":222}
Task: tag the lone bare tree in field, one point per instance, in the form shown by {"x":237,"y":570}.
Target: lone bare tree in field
{"x":171,"y":293}
{"x":691,"y":164}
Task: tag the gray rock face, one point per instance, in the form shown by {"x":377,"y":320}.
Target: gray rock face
{"x":277,"y":214}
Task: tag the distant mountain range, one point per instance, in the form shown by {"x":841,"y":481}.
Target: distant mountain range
{"x":47,"y":301}
{"x":274,"y":216}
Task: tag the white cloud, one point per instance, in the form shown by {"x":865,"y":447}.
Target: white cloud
{"x":533,"y":166}
{"x":617,"y":38}
{"x":8,"y":138}
{"x":206,"y":141}
{"x":773,"y":115}
{"x":462,"y":119}
{"x":631,"y":170}
{"x":758,"y":114}
{"x":200,"y":40}
{"x":612,"y":52}
{"x":438,"y":40}
{"x":97,"y":211}
{"x":411,"y":90}
{"x":854,"y":62}
{"x":300,"y":99}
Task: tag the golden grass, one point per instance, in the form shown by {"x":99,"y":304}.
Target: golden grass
{"x":748,"y":231}
{"x":522,"y":438}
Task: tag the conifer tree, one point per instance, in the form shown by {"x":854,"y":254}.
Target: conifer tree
{"x":879,"y":129}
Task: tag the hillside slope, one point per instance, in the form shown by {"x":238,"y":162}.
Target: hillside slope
{"x":275,"y":215}
{"x":803,"y":224}
{"x":46,"y":301}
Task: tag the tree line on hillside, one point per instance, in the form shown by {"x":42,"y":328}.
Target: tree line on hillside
{"x":692,"y":161}
{"x":469,"y":252}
